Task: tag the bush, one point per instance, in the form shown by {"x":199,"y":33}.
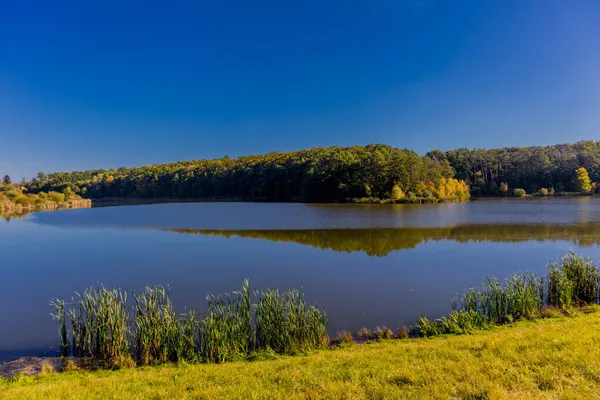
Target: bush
{"x":519,"y":192}
{"x":397,"y":193}
{"x":427,"y":328}
{"x":412,"y":197}
{"x":56,"y":197}
{"x":383,"y":333}
{"x":402,"y":332}
{"x":364,"y":334}
{"x":428,"y":194}
{"x":344,"y":338}
{"x":544,"y":192}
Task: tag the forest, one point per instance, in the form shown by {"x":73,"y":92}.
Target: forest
{"x":372,"y":173}
{"x":498,"y":171}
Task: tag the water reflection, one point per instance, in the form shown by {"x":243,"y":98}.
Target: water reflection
{"x":381,"y":242}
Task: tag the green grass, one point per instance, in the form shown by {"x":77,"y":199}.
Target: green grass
{"x":556,"y":357}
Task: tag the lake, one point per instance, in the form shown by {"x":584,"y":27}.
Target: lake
{"x":369,"y":265}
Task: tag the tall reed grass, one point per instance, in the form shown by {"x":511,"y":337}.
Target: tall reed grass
{"x":571,"y":280}
{"x":285,"y":323}
{"x":106,"y":327}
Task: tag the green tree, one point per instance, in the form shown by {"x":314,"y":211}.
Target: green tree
{"x":7,"y":180}
{"x":68,"y":192}
{"x":583,"y":182}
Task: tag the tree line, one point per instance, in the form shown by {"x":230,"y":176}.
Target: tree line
{"x":532,"y":169}
{"x":372,"y":172}
{"x":359,"y":173}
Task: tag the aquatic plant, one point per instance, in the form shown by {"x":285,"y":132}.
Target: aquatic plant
{"x":60,"y":317}
{"x":285,"y":323}
{"x":518,"y":297}
{"x":344,"y":338}
{"x":226,"y":331}
{"x":106,"y":327}
{"x":384,"y":333}
{"x":364,"y":334}
{"x":402,"y":332}
{"x":160,"y":335}
{"x":100,"y":325}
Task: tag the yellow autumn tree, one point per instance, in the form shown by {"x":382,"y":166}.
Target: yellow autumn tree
{"x":583,"y":182}
{"x":449,"y":188}
{"x":397,"y":193}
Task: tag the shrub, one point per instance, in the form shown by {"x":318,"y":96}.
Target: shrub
{"x":402,"y":332}
{"x":364,"y":334}
{"x":427,"y":328}
{"x":412,"y":197}
{"x":397,"y":193}
{"x":544,"y":192}
{"x":344,"y":338}
{"x":519,"y":192}
{"x":383,"y":333}
{"x":56,"y":197}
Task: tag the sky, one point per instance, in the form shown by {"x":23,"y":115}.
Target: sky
{"x":103,"y":84}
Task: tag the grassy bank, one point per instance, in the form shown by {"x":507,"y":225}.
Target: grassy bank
{"x":555,"y":357}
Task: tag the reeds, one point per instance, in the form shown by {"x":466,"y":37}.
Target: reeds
{"x":285,"y":323}
{"x":100,"y":325}
{"x":61,"y":322}
{"x":158,"y":332}
{"x":571,"y":279}
{"x":105,"y":327}
{"x":226,"y":332}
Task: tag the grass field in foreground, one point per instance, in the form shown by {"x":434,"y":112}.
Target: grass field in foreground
{"x":547,"y":358}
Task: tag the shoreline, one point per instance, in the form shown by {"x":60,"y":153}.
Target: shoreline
{"x":10,"y":208}
{"x":500,"y":363}
{"x":243,"y":324}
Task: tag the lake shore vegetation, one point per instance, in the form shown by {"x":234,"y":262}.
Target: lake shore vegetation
{"x":15,"y":199}
{"x":102,"y":326}
{"x":524,"y":337}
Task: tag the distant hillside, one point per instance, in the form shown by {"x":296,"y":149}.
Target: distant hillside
{"x":342,"y":173}
{"x":319,"y":174}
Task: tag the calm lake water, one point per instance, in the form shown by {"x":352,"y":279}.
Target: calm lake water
{"x":368,"y":264}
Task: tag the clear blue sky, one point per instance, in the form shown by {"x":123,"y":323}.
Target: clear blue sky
{"x":100,"y":84}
